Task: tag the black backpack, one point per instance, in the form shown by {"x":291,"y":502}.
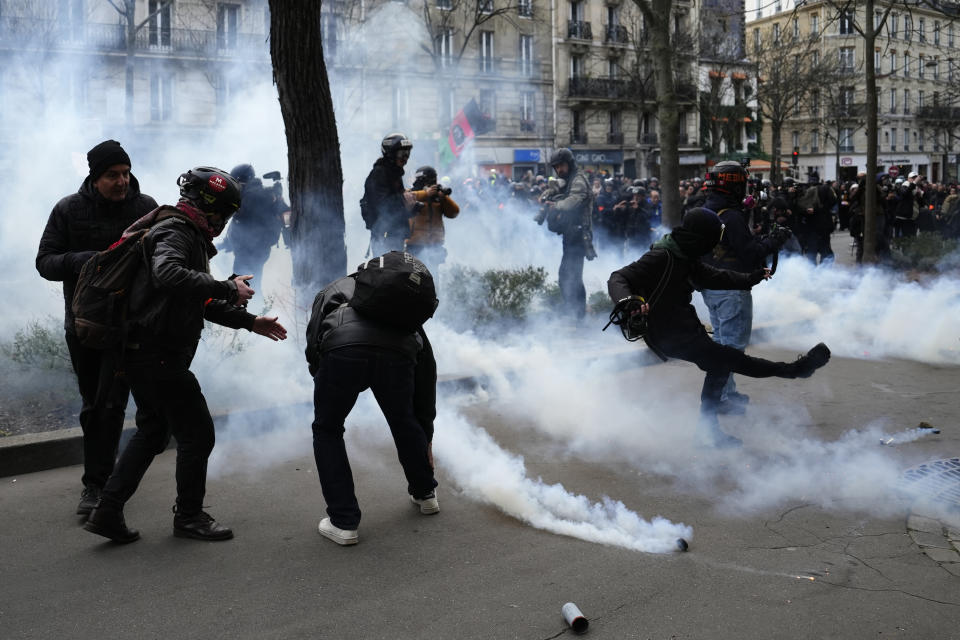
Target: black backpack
{"x":102,"y":297}
{"x":395,"y":289}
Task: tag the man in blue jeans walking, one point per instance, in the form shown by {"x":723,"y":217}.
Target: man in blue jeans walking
{"x":731,"y":311}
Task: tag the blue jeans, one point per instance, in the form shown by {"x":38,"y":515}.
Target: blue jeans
{"x":731,"y":314}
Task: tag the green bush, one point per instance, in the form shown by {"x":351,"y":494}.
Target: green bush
{"x":599,"y":302}
{"x":40,"y":345}
{"x":924,"y":252}
{"x":472,"y":299}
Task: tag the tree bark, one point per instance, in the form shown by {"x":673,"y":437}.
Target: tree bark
{"x":870,"y":100}
{"x":313,"y":146}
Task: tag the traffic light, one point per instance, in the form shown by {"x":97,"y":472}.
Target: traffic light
{"x":796,"y":156}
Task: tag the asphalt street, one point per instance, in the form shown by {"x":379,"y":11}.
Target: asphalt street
{"x":798,"y":568}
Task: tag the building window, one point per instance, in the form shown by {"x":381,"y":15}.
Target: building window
{"x":906,"y":65}
{"x":616,"y":130}
{"x":950,"y":34}
{"x":486,"y":52}
{"x":846,"y":139}
{"x":893,"y":24}
{"x":527,"y":123}
{"x":488,"y":103}
{"x":576,"y":66}
{"x":877,"y":59}
{"x":796,"y":139}
{"x":920,"y":66}
{"x":936,"y":68}
{"x":579,"y":131}
{"x":814,"y":141}
{"x":906,"y":101}
{"x":228,"y":21}
{"x":445,"y":4}
{"x":796,"y":28}
{"x":401,"y":107}
{"x":893,"y":62}
{"x":907,"y":28}
{"x":879,"y":100}
{"x":815,"y":59}
{"x":936,"y":32}
{"x":72,"y":18}
{"x":920,"y":99}
{"x":486,"y":6}
{"x":814,"y":25}
{"x":815,"y":102}
{"x":161,"y":96}
{"x":524,"y":8}
{"x":776,"y":33}
{"x":921,"y":30}
{"x":444,"y":47}
{"x":756,"y":40}
{"x":893,"y":139}
{"x":906,"y":139}
{"x":893,"y":100}
{"x":526,"y":55}
{"x":845,"y":24}
{"x":158,"y":26}
{"x":330,"y":33}
{"x":847,"y":59}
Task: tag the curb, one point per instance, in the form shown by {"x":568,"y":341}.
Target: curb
{"x":32,"y":452}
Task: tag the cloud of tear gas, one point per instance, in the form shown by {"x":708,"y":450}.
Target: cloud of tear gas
{"x":861,"y":313}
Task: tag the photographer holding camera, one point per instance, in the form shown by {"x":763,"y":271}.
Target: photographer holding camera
{"x":426,"y":227}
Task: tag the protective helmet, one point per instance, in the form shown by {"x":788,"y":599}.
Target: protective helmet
{"x":789,"y":182}
{"x":563,"y":155}
{"x":212,"y":190}
{"x":424,"y":176}
{"x":727,"y":177}
{"x":243,"y":173}
{"x":394,"y":143}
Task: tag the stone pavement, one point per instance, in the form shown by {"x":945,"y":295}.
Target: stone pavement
{"x":800,"y":568}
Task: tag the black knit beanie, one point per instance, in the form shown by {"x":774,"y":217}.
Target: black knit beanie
{"x":105,"y":155}
{"x":699,"y":232}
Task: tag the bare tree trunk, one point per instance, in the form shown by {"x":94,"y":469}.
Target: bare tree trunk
{"x":313,"y":147}
{"x":659,"y":17}
{"x":870,"y":100}
{"x":775,"y":141}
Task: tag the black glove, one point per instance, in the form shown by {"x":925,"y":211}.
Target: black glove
{"x":756,"y":277}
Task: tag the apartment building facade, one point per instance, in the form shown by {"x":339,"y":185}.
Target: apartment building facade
{"x":916,"y":62}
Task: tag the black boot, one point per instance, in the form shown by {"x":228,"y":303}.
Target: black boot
{"x":805,"y":365}
{"x":108,"y":522}
{"x":88,"y":500}
{"x":200,"y":526}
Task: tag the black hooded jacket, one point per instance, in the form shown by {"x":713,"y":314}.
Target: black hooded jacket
{"x":79,"y":226}
{"x":383,"y":196}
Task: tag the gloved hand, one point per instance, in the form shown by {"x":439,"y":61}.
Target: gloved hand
{"x":780,"y":235}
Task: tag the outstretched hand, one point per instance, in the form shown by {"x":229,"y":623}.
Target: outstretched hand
{"x":270,"y":328}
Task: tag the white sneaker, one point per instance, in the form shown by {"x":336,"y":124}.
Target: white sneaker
{"x":340,"y":536}
{"x":428,"y":504}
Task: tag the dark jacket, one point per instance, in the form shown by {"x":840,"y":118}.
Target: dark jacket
{"x":574,"y":206}
{"x":739,"y":250}
{"x":672,"y":318}
{"x":79,"y":226}
{"x":334,"y":325}
{"x":169,"y":303}
{"x":383,"y":197}
{"x":256,"y":226}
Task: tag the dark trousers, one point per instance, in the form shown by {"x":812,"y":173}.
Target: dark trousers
{"x":342,"y":375}
{"x":169,"y":401}
{"x":718,"y":361}
{"x":104,"y":393}
{"x":571,"y":278}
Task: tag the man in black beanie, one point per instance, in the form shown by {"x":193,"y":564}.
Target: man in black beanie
{"x":80,"y":225}
{"x":659,"y":286}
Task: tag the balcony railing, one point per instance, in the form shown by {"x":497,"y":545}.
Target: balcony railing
{"x":54,"y":35}
{"x":610,"y":88}
{"x":528,"y":126}
{"x":842,"y":111}
{"x":944,"y":113}
{"x":616,"y":34}
{"x":579,"y":30}
{"x":578,"y":138}
{"x":615,"y":138}
{"x":647,"y":139}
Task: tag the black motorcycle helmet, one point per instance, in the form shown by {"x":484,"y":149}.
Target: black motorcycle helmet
{"x":213,"y":191}
{"x":727,"y":177}
{"x":243,"y":173}
{"x":395,"y":143}
{"x":563,"y":155}
{"x":424,"y":177}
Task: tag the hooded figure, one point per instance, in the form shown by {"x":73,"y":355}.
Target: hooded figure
{"x":660,"y":285}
